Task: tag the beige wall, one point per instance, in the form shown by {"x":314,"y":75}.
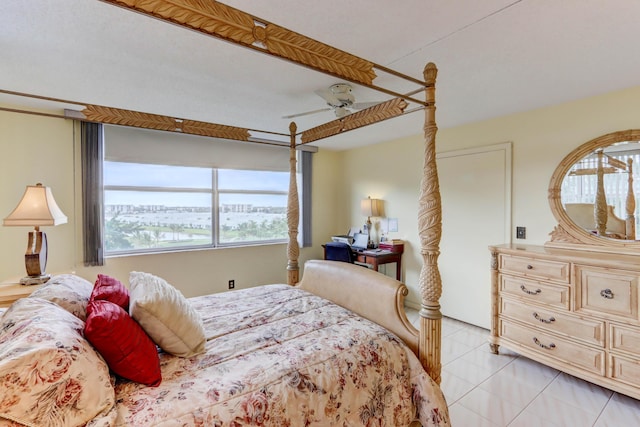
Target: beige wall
{"x":541,"y":139}
{"x":42,"y":149}
{"x":39,"y":149}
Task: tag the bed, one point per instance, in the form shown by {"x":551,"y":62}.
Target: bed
{"x":346,"y":353}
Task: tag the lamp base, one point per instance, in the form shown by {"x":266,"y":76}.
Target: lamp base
{"x":36,"y":256}
{"x":35,"y":280}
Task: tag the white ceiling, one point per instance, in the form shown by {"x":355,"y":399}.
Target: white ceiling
{"x":495,"y":57}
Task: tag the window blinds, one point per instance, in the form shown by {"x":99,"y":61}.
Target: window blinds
{"x":135,"y":145}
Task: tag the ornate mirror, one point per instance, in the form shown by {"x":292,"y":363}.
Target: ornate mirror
{"x":592,"y":194}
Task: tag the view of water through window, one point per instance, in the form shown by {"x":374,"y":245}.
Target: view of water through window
{"x":156,"y":207}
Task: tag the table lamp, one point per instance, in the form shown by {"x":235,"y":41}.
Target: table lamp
{"x":370,"y":207}
{"x":36,"y":208}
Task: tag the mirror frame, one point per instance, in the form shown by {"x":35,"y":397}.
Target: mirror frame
{"x":568,"y":233}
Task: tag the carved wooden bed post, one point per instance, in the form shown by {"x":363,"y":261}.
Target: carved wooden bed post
{"x":600,"y":206}
{"x":430,"y":231}
{"x":630,"y":207}
{"x":493,"y":339}
{"x":293,"y":213}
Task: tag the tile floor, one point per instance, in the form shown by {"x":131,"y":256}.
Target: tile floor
{"x":484,"y":389}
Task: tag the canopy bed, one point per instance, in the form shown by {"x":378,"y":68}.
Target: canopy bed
{"x":370,"y":295}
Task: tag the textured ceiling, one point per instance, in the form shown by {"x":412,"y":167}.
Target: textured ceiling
{"x":495,"y":57}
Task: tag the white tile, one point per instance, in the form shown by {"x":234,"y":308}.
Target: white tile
{"x":529,"y":372}
{"x":463,"y":417}
{"x":529,"y":419}
{"x":515,"y":392}
{"x":468,"y":371}
{"x":490,"y":406}
{"x":451,"y":350}
{"x":450,"y":326}
{"x":578,"y":392}
{"x":470,"y":337}
{"x":481,"y":357}
{"x":560,"y":413}
{"x":454,"y":387}
{"x":484,"y":389}
{"x":620,"y":411}
{"x":502,"y":350}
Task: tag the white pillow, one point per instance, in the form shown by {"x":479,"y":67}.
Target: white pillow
{"x":165,"y":315}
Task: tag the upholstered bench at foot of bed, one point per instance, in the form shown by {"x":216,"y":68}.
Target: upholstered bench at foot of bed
{"x":370,"y":294}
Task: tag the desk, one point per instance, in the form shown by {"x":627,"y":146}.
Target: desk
{"x":376,"y":257}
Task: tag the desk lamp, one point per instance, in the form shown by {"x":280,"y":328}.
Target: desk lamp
{"x":36,"y":208}
{"x":370,"y":207}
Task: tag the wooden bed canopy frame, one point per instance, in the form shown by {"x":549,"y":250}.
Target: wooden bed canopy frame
{"x":224,"y":22}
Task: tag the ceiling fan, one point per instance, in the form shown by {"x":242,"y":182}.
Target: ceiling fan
{"x":339,"y":99}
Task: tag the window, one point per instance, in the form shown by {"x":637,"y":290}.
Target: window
{"x":163,"y":207}
{"x":149,"y":191}
{"x":252,"y":206}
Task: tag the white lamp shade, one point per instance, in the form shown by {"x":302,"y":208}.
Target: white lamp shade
{"x":371,"y":207}
{"x":36,"y":208}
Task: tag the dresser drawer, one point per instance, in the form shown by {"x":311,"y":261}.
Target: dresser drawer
{"x":625,"y":338}
{"x":587,"y":358}
{"x":543,"y":293}
{"x":536,"y":268}
{"x":608,"y":293}
{"x":626,"y":370}
{"x":591,"y":331}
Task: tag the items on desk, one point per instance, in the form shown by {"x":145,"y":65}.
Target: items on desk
{"x":346,"y":238}
{"x":342,"y":238}
{"x":393,"y":245}
{"x":376,"y":252}
{"x":372,"y":258}
{"x":360,"y":241}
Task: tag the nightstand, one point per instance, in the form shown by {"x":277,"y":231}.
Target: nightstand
{"x":9,"y":292}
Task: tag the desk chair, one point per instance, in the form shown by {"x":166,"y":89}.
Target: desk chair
{"x":338,"y":251}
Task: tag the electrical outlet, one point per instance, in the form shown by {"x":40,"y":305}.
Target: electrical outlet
{"x":521,"y":232}
{"x":232,"y":284}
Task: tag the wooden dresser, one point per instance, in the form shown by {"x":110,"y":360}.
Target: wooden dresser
{"x":574,"y":310}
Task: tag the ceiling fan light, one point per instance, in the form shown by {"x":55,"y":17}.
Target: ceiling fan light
{"x":341,"y":112}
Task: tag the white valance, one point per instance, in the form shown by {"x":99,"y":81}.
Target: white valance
{"x":136,"y":145}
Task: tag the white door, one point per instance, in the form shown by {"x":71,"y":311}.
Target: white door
{"x":475,"y":186}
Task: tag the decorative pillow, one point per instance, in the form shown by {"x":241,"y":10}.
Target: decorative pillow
{"x":166,"y":315}
{"x":49,"y":374}
{"x":69,"y":291}
{"x":110,"y":289}
{"x":128,"y":350}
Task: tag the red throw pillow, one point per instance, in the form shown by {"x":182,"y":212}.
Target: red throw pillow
{"x":110,"y":289}
{"x":125,"y":346}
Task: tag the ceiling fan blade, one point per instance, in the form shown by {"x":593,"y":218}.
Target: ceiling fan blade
{"x":329,"y":97}
{"x":306,"y":113}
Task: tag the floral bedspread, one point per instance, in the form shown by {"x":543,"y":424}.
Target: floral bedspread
{"x":280,"y":356}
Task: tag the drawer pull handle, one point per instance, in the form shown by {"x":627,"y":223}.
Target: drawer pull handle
{"x":527,"y":291}
{"x":529,"y":267}
{"x":542,"y":319}
{"x":606,"y":293}
{"x":546,"y":347}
